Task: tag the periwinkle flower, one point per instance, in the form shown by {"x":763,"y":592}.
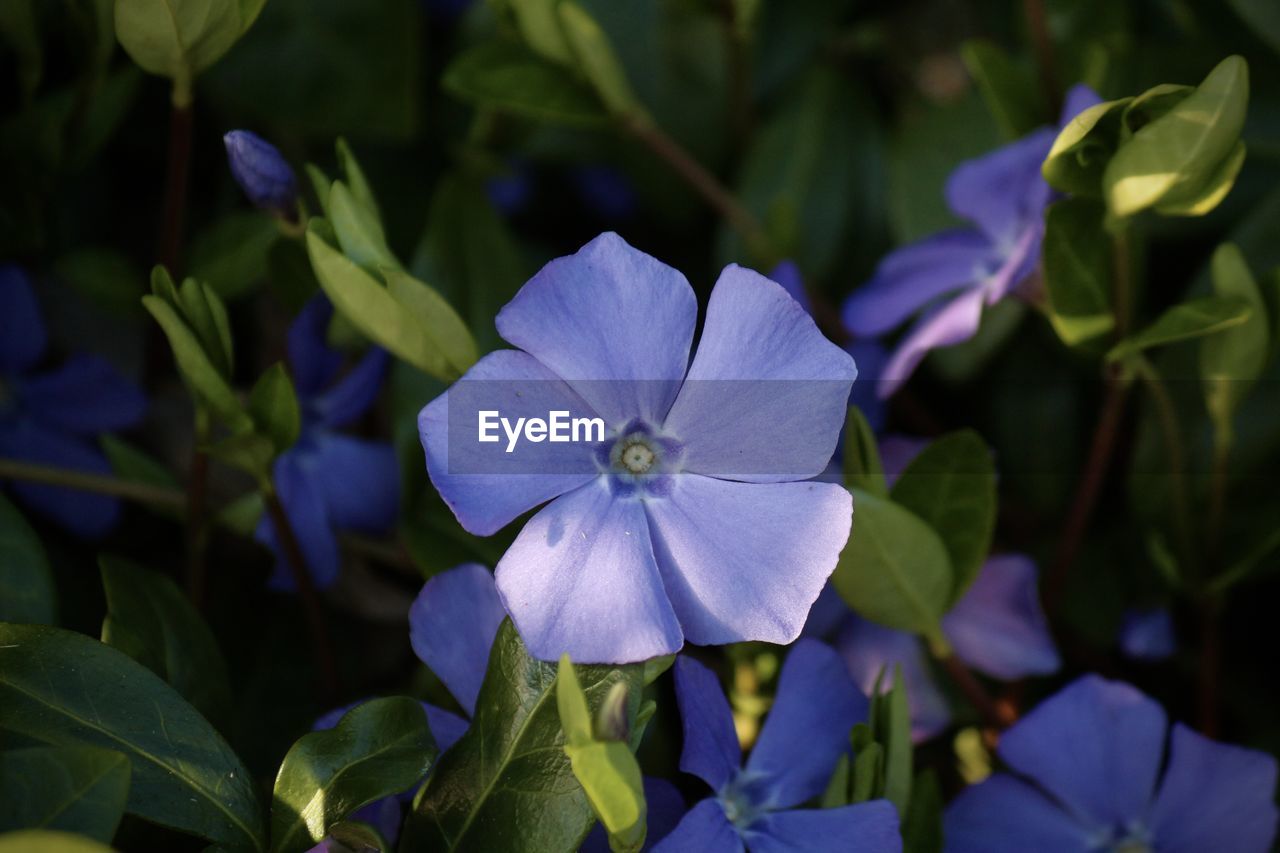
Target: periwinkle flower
{"x":758,"y":806}
{"x":948,"y":278}
{"x":52,"y":417}
{"x":1086,"y":778}
{"x":1146,"y":634}
{"x":329,"y":481}
{"x":262,"y":172}
{"x":688,"y":522}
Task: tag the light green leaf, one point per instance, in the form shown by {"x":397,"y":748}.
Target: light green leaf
{"x":153,"y":622}
{"x":356,"y":182}
{"x":205,"y":314}
{"x":895,"y":569}
{"x":1232,"y":361}
{"x":1082,"y":150}
{"x":358,"y":230}
{"x":508,"y":77}
{"x":177,"y":38}
{"x":951,"y":486}
{"x":446,"y":330}
{"x":1171,"y":160}
{"x":68,"y":690}
{"x":597,"y":60}
{"x":1008,"y":88}
{"x":251,"y":452}
{"x":862,"y":466}
{"x":1211,"y":192}
{"x":201,"y":374}
{"x":571,"y":702}
{"x":80,"y":789}
{"x":273,"y":405}
{"x":1077,"y":271}
{"x":539,"y":26}
{"x":27,"y":593}
{"x":1195,"y":318}
{"x":49,"y":841}
{"x":379,"y":748}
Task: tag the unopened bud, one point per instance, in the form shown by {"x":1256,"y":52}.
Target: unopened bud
{"x":612,"y":722}
{"x":261,"y":172}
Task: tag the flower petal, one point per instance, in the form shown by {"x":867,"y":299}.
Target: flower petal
{"x":312,"y":361}
{"x":1214,"y":797}
{"x":581,"y":578}
{"x":1095,"y":745}
{"x":870,"y":653}
{"x":1005,"y":815}
{"x":826,"y":614}
{"x":446,"y":727}
{"x":469,"y":475}
{"x":807,"y":729}
{"x":22,"y":333}
{"x":359,"y":481}
{"x":352,"y":396}
{"x":704,"y":829}
{"x":614,"y":322}
{"x":87,"y":515}
{"x":950,"y":323}
{"x":306,"y":513}
{"x":1001,"y":191}
{"x":788,"y":276}
{"x":998,"y":625}
{"x":911,"y":277}
{"x":1078,"y":99}
{"x":452,"y":624}
{"x":871,"y":357}
{"x":711,"y":749}
{"x":746,"y":561}
{"x":870,"y":827}
{"x":86,"y":395}
{"x":1147,"y":635}
{"x":766,"y":395}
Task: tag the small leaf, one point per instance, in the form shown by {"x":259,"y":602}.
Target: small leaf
{"x":80,"y":789}
{"x":571,"y":702}
{"x":839,"y":786}
{"x":250,"y":451}
{"x":379,"y":748}
{"x":206,"y":316}
{"x":539,"y":26}
{"x":922,"y":825}
{"x":862,"y":466}
{"x":868,"y":773}
{"x":273,"y":405}
{"x":508,"y":77}
{"x":895,"y":569}
{"x":27,"y":593}
{"x":202,"y":377}
{"x":1081,"y":151}
{"x":894,"y":732}
{"x":356,"y":182}
{"x":49,"y":841}
{"x":65,"y":689}
{"x":153,"y":622}
{"x":446,"y":330}
{"x":597,"y":60}
{"x":358,"y":230}
{"x":1077,"y":271}
{"x":951,"y":486}
{"x":177,"y":38}
{"x":1195,"y":318}
{"x":1232,"y":361}
{"x":1009,"y":89}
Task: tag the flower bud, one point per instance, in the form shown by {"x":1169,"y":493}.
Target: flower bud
{"x":612,"y":722}
{"x":261,"y":172}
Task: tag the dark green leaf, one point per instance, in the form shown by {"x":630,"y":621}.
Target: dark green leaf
{"x":862,"y":466}
{"x":506,"y":76}
{"x":79,"y":789}
{"x":1080,"y":154}
{"x":511,"y":763}
{"x":130,"y":463}
{"x":105,"y":275}
{"x":69,"y":690}
{"x":231,"y":254}
{"x":1077,"y":271}
{"x":839,"y":786}
{"x":1193,"y":319}
{"x":273,"y":405}
{"x":922,"y":826}
{"x":27,"y":593}
{"x":200,"y":373}
{"x":951,"y":486}
{"x":1008,"y":88}
{"x":893,"y":730}
{"x":1263,"y":16}
{"x":377,"y":749}
{"x":596,"y":59}
{"x":895,"y":569}
{"x":153,"y":622}
{"x":1230,"y":362}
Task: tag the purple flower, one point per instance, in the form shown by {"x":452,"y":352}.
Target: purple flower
{"x":949,"y":277}
{"x":756,"y":806}
{"x":687,"y":522}
{"x":260,"y":170}
{"x":1087,"y":763}
{"x":1147,"y":635}
{"x":51,"y":417}
{"x":329,"y":481}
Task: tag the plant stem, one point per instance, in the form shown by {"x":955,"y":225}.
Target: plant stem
{"x":998,"y":715}
{"x":1217,"y":495}
{"x":67,"y":478}
{"x":293,"y":557}
{"x":1042,"y":44}
{"x":175,"y":186}
{"x":705,"y":184}
{"x":197,"y":529}
{"x":1167,"y":415}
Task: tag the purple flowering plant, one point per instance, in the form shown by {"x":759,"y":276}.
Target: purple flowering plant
{"x":599,"y":502}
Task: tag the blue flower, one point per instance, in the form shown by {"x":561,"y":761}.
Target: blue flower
{"x":1147,"y":634}
{"x":1087,"y":762}
{"x":948,"y":278}
{"x":260,"y":170}
{"x":687,"y":522}
{"x":329,"y":481}
{"x":757,"y":806}
{"x":52,"y":417}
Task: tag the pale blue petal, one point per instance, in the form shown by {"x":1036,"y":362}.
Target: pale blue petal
{"x":1003,"y":190}
{"x":871,"y":652}
{"x":788,"y":275}
{"x":359,"y":481}
{"x":767,"y":393}
{"x":746,"y":561}
{"x":952,"y":322}
{"x":998,"y":626}
{"x":705,"y":829}
{"x":452,"y":624}
{"x":1005,"y":815}
{"x":1078,"y":99}
{"x":870,"y":827}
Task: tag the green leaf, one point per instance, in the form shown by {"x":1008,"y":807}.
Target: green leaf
{"x":131,"y":463}
{"x":596,"y":59}
{"x":356,"y":182}
{"x":951,"y":486}
{"x":862,"y":466}
{"x":200,"y":373}
{"x":1195,"y":318}
{"x":571,"y":702}
{"x":922,"y":825}
{"x":1077,"y":271}
{"x":207,"y":317}
{"x":105,"y":275}
{"x":177,"y":38}
{"x":358,"y":230}
{"x":511,"y":763}
{"x":273,"y":405}
{"x":539,"y":26}
{"x":867,"y":779}
{"x":1263,"y":16}
{"x":153,"y":622}
{"x":231,"y":254}
{"x":506,"y":76}
{"x":1170,"y":161}
{"x":1231,"y":362}
{"x":1211,"y":192}
{"x":1008,"y":88}
{"x":446,"y":330}
{"x":27,"y":593}
{"x":68,"y":690}
{"x":1078,"y":159}
{"x":49,"y":841}
{"x":838,"y":787}
{"x":251,"y":452}
{"x":80,"y":789}
{"x":379,"y":748}
{"x":895,"y":569}
{"x":894,"y":731}
{"x":20,"y":31}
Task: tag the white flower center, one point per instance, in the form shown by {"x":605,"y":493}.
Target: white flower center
{"x":637,"y":457}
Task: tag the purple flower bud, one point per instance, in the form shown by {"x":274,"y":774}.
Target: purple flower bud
{"x":261,"y":172}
